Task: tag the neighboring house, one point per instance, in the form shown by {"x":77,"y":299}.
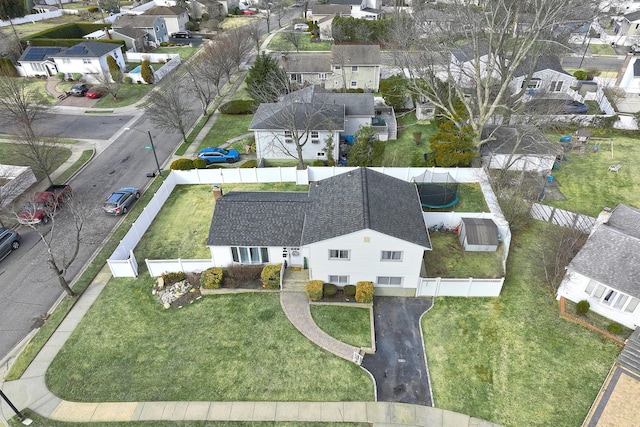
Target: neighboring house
{"x":175,"y":17}
{"x":315,"y":116}
{"x":347,"y":67}
{"x":135,"y":39}
{"x":548,"y":79}
{"x":461,"y":69}
{"x":605,"y":271}
{"x":629,"y":81}
{"x":515,"y":149}
{"x":629,"y":25}
{"x":357,"y":226}
{"x":362,"y":9}
{"x":154,"y":26}
{"x":87,"y":58}
{"x":36,"y":60}
{"x":479,"y":235}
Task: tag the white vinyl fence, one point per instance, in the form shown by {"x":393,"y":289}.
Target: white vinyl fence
{"x":123,"y":264}
{"x":567,"y":219}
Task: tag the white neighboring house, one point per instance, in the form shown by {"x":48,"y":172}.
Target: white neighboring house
{"x":462,"y":65}
{"x":548,"y":79}
{"x":88,"y":58}
{"x":154,"y":26}
{"x":357,"y":226}
{"x":312,"y":116}
{"x":605,"y":271}
{"x":629,"y":81}
{"x":174,"y":17}
{"x":36,"y":60}
{"x":513,"y":148}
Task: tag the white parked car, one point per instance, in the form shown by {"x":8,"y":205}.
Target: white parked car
{"x":301,"y":27}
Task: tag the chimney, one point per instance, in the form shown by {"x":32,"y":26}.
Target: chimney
{"x":217,"y":192}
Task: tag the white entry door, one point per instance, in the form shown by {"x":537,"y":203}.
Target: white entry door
{"x":295,"y":257}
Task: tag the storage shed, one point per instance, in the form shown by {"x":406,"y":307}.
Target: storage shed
{"x":478,"y":235}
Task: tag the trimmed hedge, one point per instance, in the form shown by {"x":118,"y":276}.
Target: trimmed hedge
{"x":270,"y":276}
{"x":182,"y":165}
{"x":173,"y":277}
{"x":239,"y":106}
{"x":582,"y":307}
{"x":199,"y":164}
{"x":349,"y":291}
{"x":364,"y":292}
{"x":211,"y":278}
{"x":615,"y":328}
{"x":314,"y":290}
{"x":329,"y":290}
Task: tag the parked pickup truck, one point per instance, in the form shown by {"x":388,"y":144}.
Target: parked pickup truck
{"x":43,"y":204}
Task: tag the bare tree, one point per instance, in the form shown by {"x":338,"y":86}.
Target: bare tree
{"x":255,"y":33}
{"x":239,"y":44}
{"x":112,"y":83}
{"x":169,"y":108}
{"x":280,"y":10}
{"x":62,"y":239}
{"x":211,"y":64}
{"x":481,"y":53}
{"x":293,"y":37}
{"x":43,"y":154}
{"x":204,"y":89}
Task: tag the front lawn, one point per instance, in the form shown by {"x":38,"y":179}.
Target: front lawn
{"x":279,"y":43}
{"x":9,"y":156}
{"x":448,"y":259}
{"x":588,"y":185}
{"x":127,"y":95}
{"x":221,"y":348}
{"x":227,"y":126}
{"x":512,"y":360}
{"x":347,"y":324}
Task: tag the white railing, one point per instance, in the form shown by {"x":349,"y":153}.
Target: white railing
{"x":469,"y":287}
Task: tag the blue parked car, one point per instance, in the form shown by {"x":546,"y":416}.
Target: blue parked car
{"x":218,"y":155}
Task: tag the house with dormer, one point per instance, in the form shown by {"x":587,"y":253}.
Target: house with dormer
{"x":543,"y":78}
{"x":361,"y":225}
{"x":175,"y":17}
{"x":154,"y":26}
{"x":605,"y":271}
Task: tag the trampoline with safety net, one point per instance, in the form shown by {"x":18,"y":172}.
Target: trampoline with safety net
{"x":437,"y":190}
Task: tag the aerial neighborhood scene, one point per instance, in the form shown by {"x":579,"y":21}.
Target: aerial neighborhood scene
{"x":320,"y":213}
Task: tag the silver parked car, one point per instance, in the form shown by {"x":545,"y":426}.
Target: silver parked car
{"x":9,"y":241}
{"x":120,"y":201}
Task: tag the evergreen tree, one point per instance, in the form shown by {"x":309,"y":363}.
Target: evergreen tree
{"x":146,"y":71}
{"x":452,"y":146}
{"x":114,"y":69}
{"x":367,"y":150}
{"x":266,"y":81}
{"x":394,"y":91}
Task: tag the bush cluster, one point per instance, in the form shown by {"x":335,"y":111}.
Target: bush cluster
{"x":253,"y":163}
{"x":239,"y":106}
{"x":349,"y":291}
{"x":364,"y":292}
{"x":314,"y":290}
{"x":614,"y":328}
{"x":173,"y":277}
{"x":582,"y":307}
{"x":270,"y":276}
{"x":211,"y":278}
{"x":239,"y":274}
{"x":329,"y":290}
{"x":182,"y":164}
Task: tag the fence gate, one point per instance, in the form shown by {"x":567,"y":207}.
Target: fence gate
{"x":133,"y":262}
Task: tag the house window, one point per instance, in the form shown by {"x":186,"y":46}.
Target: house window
{"x":339,"y":280}
{"x":556,"y":86}
{"x":354,"y":84}
{"x":37,"y":67}
{"x":288,"y":141}
{"x":321,"y":154}
{"x":249,"y":255}
{"x":66,"y":61}
{"x":337,"y":67}
{"x":621,"y":302}
{"x":534,"y":83}
{"x":314,"y":134}
{"x":354,"y":68}
{"x":610,"y":297}
{"x":633,"y":304}
{"x":288,"y":134}
{"x":322,"y":76}
{"x":86,"y":61}
{"x":315,"y":141}
{"x":338,"y":254}
{"x":389,"y":281}
{"x":391,"y":256}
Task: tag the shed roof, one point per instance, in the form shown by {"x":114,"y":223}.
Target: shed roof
{"x":480,"y":231}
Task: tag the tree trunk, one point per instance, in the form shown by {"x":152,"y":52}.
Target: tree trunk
{"x":61,"y":279}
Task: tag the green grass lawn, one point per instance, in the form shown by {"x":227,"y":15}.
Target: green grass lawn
{"x":10,"y":157}
{"x":404,"y":151}
{"x":512,"y":360}
{"x":447,"y":259}
{"x":227,"y":126}
{"x":185,"y":52}
{"x":470,"y":199}
{"x":279,"y":43}
{"x":601,"y":49}
{"x":348,"y":324}
{"x":221,"y":348}
{"x":587,"y":184}
{"x":127,"y":95}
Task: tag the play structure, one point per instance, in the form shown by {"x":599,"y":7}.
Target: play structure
{"x":437,"y":190}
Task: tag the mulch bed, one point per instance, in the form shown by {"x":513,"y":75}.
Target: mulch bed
{"x":338,"y":297}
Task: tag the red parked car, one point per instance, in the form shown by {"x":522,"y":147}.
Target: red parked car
{"x":97,"y":92}
{"x":248,"y":12}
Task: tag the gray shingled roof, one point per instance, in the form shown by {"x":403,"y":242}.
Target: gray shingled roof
{"x":467,"y":52}
{"x":306,"y":63}
{"x":351,"y":54}
{"x":636,"y":68}
{"x":136,"y":21}
{"x":365,"y":199}
{"x":350,"y":202}
{"x":506,"y":139}
{"x":626,"y":219}
{"x":633,"y":16}
{"x":347,"y":2}
{"x":630,"y":355}
{"x":331,"y":9}
{"x":87,"y":49}
{"x":130,"y":32}
{"x":165,"y":11}
{"x":543,"y":63}
{"x":610,"y":256}
{"x":480,"y":231}
{"x":258,"y":218}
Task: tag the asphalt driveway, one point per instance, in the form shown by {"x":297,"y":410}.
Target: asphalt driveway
{"x":399,"y":364}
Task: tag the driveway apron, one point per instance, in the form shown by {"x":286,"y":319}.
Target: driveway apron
{"x":399,"y":364}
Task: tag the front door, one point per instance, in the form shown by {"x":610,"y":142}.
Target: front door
{"x":295,"y":257}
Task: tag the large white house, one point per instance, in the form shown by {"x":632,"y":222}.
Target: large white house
{"x":605,"y":271}
{"x":357,"y":226}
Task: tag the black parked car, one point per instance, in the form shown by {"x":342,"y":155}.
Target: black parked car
{"x":186,"y":34}
{"x":79,"y":89}
{"x":9,"y":241}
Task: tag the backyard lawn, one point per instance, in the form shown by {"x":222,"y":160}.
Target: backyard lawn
{"x":221,"y":348}
{"x":404,"y":151}
{"x":588,"y":185}
{"x":279,"y":43}
{"x":512,"y":360}
{"x":448,"y":259}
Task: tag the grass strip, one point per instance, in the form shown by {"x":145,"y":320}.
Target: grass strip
{"x":76,"y":166}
